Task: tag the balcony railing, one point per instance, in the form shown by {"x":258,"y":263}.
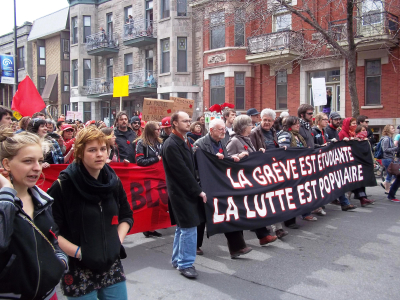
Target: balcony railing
{"x":377,"y":25}
{"x":141,"y":79}
{"x":140,"y":28}
{"x":98,"y":86}
{"x":101,"y":40}
{"x":275,"y":41}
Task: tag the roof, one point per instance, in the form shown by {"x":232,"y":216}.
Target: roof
{"x":49,"y":25}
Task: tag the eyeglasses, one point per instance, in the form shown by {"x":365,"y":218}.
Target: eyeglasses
{"x":186,"y":121}
{"x":136,"y":122}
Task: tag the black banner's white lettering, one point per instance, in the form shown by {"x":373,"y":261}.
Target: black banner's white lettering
{"x":277,"y":185}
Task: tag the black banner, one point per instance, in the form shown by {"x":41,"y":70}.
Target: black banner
{"x":278,"y":185}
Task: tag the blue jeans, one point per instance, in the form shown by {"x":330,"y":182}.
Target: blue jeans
{"x":113,"y":292}
{"x":393,"y":189}
{"x":386,"y":162}
{"x":343,"y":200}
{"x":184,"y":248}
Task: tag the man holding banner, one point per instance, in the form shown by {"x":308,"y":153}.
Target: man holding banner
{"x":185,"y":194}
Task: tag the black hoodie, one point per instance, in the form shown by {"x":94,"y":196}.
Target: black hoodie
{"x":88,"y":212}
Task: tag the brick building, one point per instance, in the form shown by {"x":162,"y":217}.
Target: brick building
{"x":154,"y":47}
{"x":50,"y":60}
{"x":24,"y":58}
{"x":252,"y":61}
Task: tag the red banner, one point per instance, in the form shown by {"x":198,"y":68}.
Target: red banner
{"x":145,"y":189}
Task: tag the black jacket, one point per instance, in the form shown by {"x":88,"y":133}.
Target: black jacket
{"x":205,"y":144}
{"x":332,"y":133}
{"x":185,"y":206}
{"x":88,"y":212}
{"x":318,"y":139}
{"x":370,"y":136}
{"x":124,"y":140}
{"x":147,"y":155}
{"x":30,"y":267}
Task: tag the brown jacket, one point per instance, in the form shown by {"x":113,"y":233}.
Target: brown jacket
{"x":257,"y":138}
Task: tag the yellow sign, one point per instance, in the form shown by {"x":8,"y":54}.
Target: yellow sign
{"x":17,"y":115}
{"x":121,"y":86}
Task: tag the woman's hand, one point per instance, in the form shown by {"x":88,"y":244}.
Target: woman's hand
{"x":235,"y":158}
{"x":220,"y":156}
{"x":346,"y":139}
{"x":5,"y":179}
{"x":262,"y":149}
{"x":45,"y":165}
{"x":243,"y":154}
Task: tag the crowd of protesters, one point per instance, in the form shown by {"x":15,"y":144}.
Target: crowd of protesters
{"x":79,"y":238}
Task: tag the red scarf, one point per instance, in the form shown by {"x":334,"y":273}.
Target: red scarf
{"x":178,"y":134}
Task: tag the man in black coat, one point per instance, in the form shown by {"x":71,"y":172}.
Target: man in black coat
{"x":186,"y":197}
{"x":331,"y":129}
{"x":124,"y":138}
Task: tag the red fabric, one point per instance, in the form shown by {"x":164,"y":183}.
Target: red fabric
{"x":27,"y":99}
{"x":114,"y":220}
{"x":216,"y":108}
{"x":346,"y":130}
{"x":145,"y":189}
{"x":54,"y":297}
{"x":362,"y":135}
{"x":68,"y":145}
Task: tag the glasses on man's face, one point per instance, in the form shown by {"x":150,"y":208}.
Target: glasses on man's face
{"x":367,"y":122}
{"x":136,"y":122}
{"x":186,"y":121}
{"x":220,"y":129}
{"x":310,"y":113}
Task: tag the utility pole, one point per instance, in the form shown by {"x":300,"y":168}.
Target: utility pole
{"x":15,"y":50}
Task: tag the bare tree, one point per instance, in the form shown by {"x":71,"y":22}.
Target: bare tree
{"x":342,"y":27}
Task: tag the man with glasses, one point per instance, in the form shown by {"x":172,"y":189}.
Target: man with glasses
{"x":363,"y":120}
{"x":125,"y":137}
{"x":305,"y":112}
{"x":186,"y":198}
{"x":135,"y":123}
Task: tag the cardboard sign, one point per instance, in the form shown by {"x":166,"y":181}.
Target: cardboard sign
{"x":156,"y":109}
{"x":74,"y":115}
{"x":183,"y":104}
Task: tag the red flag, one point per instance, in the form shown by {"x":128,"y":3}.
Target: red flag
{"x":27,"y":99}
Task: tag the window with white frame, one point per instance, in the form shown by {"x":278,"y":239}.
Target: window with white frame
{"x":182,"y":8}
{"x":165,"y":49}
{"x":74,"y":22}
{"x":164,"y":9}
{"x":217,"y":30}
{"x":281,"y":89}
{"x":239,"y":90}
{"x":239,"y":27}
{"x":182,"y":55}
{"x":87,"y":29}
{"x":217,"y":88}
{"x":373,"y":75}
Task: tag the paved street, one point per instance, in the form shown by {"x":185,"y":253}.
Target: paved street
{"x":345,"y":255}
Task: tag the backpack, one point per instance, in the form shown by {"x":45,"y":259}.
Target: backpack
{"x":378,"y":150}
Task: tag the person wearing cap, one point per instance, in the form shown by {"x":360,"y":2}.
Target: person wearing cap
{"x":136,"y":123}
{"x":67,"y":133}
{"x":167,"y":129}
{"x":125,"y":137}
{"x":363,"y":121}
{"x":332,"y":129}
{"x":254,"y":115}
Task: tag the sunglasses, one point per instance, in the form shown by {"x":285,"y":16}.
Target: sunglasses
{"x":69,"y":130}
{"x":311,"y":113}
{"x":136,"y":122}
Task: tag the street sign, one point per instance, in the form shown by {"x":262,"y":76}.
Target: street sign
{"x":7,"y":69}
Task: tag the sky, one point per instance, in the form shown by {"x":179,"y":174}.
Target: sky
{"x":27,"y":10}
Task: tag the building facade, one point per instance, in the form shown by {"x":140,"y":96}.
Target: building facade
{"x":23,"y":60}
{"x":262,"y":55}
{"x":151,"y":41}
{"x":51,"y":60}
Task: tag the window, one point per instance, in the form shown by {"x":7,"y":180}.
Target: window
{"x":281,"y":90}
{"x":239,"y":27}
{"x":42,"y":56}
{"x":217,"y":89}
{"x":127,"y":13}
{"x":110,"y":70}
{"x":64,"y":49}
{"x":283,"y":22}
{"x":87,"y":71}
{"x":149,"y":13}
{"x":372,"y":12}
{"x":74,"y":22}
{"x":182,"y":95}
{"x":373,"y":82}
{"x":164,"y":96}
{"x":74,"y":106}
{"x":149,"y":60}
{"x":41,"y":84}
{"x":182,"y":56}
{"x":128,"y":63}
{"x":109,"y":25}
{"x":182,"y":7}
{"x":65,"y":82}
{"x":217,"y":35}
{"x":75,"y":73}
{"x":86,"y":27}
{"x":165,"y":56}
{"x":87,"y":111}
{"x":164,"y":9}
{"x":239,"y":90}
{"x":21,"y":58}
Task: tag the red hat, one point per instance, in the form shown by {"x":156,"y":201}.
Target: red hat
{"x":90,"y":122}
{"x":66,"y":126}
{"x":166,"y":122}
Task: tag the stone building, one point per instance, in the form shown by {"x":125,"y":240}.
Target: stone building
{"x":258,"y":54}
{"x":154,"y":47}
{"x":51,"y":60}
{"x":24,"y":58}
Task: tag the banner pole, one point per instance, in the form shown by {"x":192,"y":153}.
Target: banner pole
{"x":120,"y":103}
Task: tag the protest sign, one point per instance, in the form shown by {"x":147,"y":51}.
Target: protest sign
{"x":145,"y":189}
{"x":156,"y":109}
{"x":271,"y":187}
{"x":319,"y":91}
{"x":183,"y":104}
{"x":74,"y":115}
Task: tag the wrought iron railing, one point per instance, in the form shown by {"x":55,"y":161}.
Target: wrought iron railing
{"x":139,"y":28}
{"x":282,"y":40}
{"x":97,"y":86}
{"x":102,"y":40}
{"x":142,"y":78}
{"x":369,"y":25}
